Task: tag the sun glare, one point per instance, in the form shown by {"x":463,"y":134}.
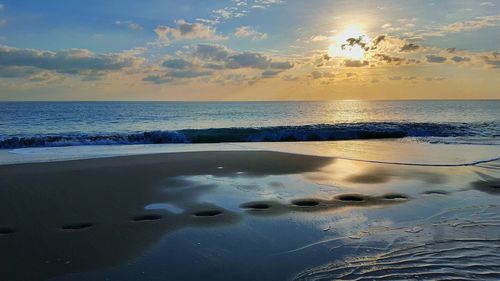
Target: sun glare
{"x":340,"y":48}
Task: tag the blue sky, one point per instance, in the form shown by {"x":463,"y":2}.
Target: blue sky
{"x":273,"y":49}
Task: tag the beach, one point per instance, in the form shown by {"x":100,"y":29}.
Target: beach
{"x":256,"y":214}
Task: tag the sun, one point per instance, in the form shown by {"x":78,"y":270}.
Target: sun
{"x":338,"y":48}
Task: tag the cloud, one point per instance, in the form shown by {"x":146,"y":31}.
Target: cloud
{"x":129,"y":24}
{"x":46,"y":77}
{"x":324,"y":74}
{"x":185,"y":30}
{"x":377,"y":40}
{"x":177,"y":76}
{"x":463,"y":26}
{"x":17,"y":71}
{"x":270,"y":73}
{"x":213,"y":52}
{"x":396,"y":78}
{"x":316,"y":74}
{"x":388,"y":59}
{"x":218,"y":62}
{"x":281,"y":64}
{"x":250,"y":60}
{"x":493,"y":60}
{"x":228,"y":13}
{"x":264,"y":4}
{"x":157,"y":79}
{"x":429,"y":79}
{"x":229,"y":59}
{"x":487,"y":4}
{"x":72,"y":61}
{"x":360,"y":41}
{"x":435,"y":59}
{"x":355,"y":63}
{"x":319,"y":38}
{"x":248,"y":32}
{"x":399,"y":78}
{"x":460,"y":59}
{"x":177,"y":63}
{"x":409,"y":47}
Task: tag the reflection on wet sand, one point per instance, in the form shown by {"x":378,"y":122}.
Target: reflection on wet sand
{"x":88,"y":215}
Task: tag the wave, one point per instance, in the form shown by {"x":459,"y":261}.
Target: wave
{"x":319,"y":132}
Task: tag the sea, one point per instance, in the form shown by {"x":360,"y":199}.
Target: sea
{"x":50,"y":124}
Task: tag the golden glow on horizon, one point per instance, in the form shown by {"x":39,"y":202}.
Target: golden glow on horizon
{"x":354,"y":52}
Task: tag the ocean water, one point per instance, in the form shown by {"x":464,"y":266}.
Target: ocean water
{"x":42,"y":124}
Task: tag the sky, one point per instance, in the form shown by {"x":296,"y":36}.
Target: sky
{"x":249,"y":50}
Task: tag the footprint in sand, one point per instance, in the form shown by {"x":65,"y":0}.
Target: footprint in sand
{"x":255,"y":206}
{"x":305,"y":202}
{"x":6,"y":230}
{"x":395,"y":196}
{"x":149,"y":217}
{"x":435,"y":192}
{"x":76,"y":226}
{"x":208,"y":213}
{"x":350,"y":197}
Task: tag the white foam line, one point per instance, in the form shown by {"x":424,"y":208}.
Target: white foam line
{"x":422,"y":164}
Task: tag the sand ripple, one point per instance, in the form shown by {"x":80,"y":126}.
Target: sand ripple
{"x":457,"y":259}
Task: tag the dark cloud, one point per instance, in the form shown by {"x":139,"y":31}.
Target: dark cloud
{"x":177,"y":75}
{"x":17,"y":71}
{"x":270,"y":73}
{"x":212,"y":52}
{"x":210,"y":58}
{"x":72,"y":61}
{"x":388,"y":59}
{"x":377,"y":40}
{"x":493,"y":61}
{"x":460,"y":59}
{"x":351,"y":42}
{"x":409,"y":47}
{"x":355,"y":63}
{"x":191,"y":73}
{"x":324,"y":74}
{"x":158,"y":79}
{"x":281,"y":65}
{"x":213,"y":66}
{"x":316,"y":74}
{"x":248,"y":60}
{"x":221,"y":58}
{"x":177,"y":63}
{"x":435,"y":59}
{"x":397,"y":78}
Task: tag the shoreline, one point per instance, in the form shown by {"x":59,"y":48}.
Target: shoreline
{"x":380,"y":150}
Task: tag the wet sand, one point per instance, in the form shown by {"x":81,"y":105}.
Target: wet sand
{"x":247,"y":215}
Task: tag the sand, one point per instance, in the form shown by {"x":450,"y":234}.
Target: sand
{"x":246,"y":215}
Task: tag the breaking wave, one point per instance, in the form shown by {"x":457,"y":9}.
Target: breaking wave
{"x":319,"y":132}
